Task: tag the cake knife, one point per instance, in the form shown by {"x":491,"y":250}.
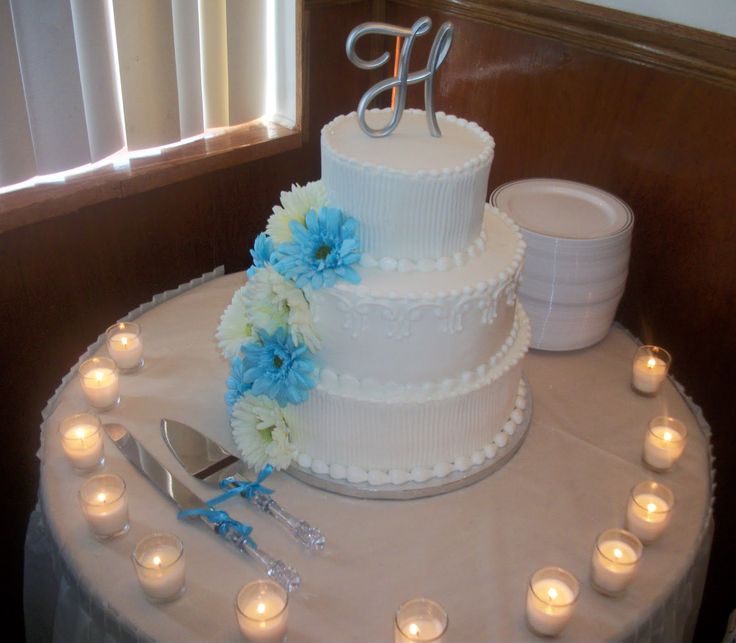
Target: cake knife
{"x":210,"y":462}
{"x":231,"y":530}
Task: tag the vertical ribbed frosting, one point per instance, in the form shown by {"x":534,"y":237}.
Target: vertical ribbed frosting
{"x":416,"y":197}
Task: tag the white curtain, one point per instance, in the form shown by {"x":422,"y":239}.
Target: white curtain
{"x":83,"y":79}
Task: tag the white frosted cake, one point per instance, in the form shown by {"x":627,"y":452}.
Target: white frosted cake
{"x":402,"y":342}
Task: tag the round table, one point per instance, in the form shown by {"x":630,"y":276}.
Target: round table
{"x":472,"y":550}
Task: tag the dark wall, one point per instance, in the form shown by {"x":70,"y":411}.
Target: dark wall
{"x":661,"y":141}
{"x":666,"y":144}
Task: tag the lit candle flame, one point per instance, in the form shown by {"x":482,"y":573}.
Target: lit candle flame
{"x":617,"y":553}
{"x":157,"y":561}
{"x":124,"y":342}
{"x":552,"y":593}
{"x":667,"y":437}
{"x":261,"y":609}
{"x":79,"y":433}
{"x":414,"y":629}
{"x":651,"y":362}
{"x":99,"y":376}
{"x":651,"y":507}
{"x":101,"y":497}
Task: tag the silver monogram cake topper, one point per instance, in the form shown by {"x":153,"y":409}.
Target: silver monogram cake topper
{"x":440,"y":47}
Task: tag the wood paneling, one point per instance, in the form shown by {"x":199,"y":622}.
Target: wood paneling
{"x":692,"y":52}
{"x":663,"y":142}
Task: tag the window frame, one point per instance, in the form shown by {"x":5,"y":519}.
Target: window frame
{"x":228,"y":147}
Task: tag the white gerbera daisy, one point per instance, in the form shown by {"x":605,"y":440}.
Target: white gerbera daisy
{"x":235,"y":329}
{"x":272,"y":302}
{"x":260,"y":432}
{"x":294,"y":207}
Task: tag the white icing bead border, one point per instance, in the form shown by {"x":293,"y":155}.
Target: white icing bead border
{"x":507,"y":273}
{"x":469,"y":166}
{"x":443,"y":264}
{"x":344,"y":384}
{"x":379,"y":477}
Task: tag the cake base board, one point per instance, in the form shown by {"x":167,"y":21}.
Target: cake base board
{"x":434,"y":486}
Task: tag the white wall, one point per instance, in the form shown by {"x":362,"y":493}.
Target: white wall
{"x":712,"y":15}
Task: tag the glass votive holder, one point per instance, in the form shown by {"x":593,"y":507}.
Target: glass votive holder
{"x":664,"y":443}
{"x":649,"y":369}
{"x":616,"y":558}
{"x":81,"y":440}
{"x":125,"y":346}
{"x":159,"y":564}
{"x":104,"y":503}
{"x":550,"y":600}
{"x":420,"y":619}
{"x":100,"y":383}
{"x":649,"y":510}
{"x":262,"y":609}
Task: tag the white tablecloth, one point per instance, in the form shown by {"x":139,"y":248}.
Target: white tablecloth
{"x":472,"y":550}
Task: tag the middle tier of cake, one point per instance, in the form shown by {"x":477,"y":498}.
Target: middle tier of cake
{"x":420,"y":328}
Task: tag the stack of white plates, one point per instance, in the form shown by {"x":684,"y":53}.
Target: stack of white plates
{"x":577,"y":259}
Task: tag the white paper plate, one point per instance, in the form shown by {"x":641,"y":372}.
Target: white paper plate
{"x":561,"y":327}
{"x":563,"y":209}
{"x":556,"y":271}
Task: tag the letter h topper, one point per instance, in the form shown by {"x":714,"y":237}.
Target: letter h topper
{"x":440,"y":47}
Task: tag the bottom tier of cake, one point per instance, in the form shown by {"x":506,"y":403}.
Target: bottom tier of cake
{"x":360,"y":438}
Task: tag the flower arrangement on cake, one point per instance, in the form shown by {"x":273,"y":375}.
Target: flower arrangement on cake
{"x":267,"y":333}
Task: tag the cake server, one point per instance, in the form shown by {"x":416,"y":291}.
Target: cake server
{"x":210,"y":462}
{"x":231,"y":530}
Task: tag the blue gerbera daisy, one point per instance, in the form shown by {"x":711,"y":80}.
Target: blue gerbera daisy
{"x":278,"y":368}
{"x":236,"y":383}
{"x":261,"y":253}
{"x":323,"y":249}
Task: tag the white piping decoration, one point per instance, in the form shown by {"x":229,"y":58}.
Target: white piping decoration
{"x":344,"y":384}
{"x":443,"y":264}
{"x":469,"y":166}
{"x":379,"y":477}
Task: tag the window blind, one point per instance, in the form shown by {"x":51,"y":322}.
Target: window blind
{"x":82,"y":81}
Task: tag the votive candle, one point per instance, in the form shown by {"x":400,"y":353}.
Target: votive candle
{"x":550,"y":600}
{"x":125,"y":346}
{"x":649,"y":510}
{"x":159,"y":564}
{"x":100,"y":383}
{"x":664,"y":443}
{"x":420,"y":619}
{"x":262,"y":610}
{"x":104,"y":503}
{"x":81,"y":440}
{"x":649,"y":370}
{"x":615,"y":560}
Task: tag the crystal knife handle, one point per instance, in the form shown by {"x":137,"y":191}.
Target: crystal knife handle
{"x":311,"y":537}
{"x":278,"y":570}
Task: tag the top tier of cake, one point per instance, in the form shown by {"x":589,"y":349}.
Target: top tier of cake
{"x":416,"y":197}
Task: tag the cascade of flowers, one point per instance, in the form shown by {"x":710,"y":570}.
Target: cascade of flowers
{"x":267,"y":332}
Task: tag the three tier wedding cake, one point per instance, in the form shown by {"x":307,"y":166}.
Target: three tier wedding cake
{"x":378,"y":338}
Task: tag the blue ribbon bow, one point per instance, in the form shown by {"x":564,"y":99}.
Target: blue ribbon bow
{"x":240,"y":487}
{"x":221,"y":520}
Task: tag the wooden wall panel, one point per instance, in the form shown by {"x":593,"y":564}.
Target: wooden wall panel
{"x":665,"y":143}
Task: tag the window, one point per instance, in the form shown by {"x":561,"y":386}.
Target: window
{"x":88,"y":84}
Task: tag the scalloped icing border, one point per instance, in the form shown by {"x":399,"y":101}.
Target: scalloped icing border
{"x":390,"y":392}
{"x":511,"y":270}
{"x":443,"y":264}
{"x":379,"y":477}
{"x":468,"y":166}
